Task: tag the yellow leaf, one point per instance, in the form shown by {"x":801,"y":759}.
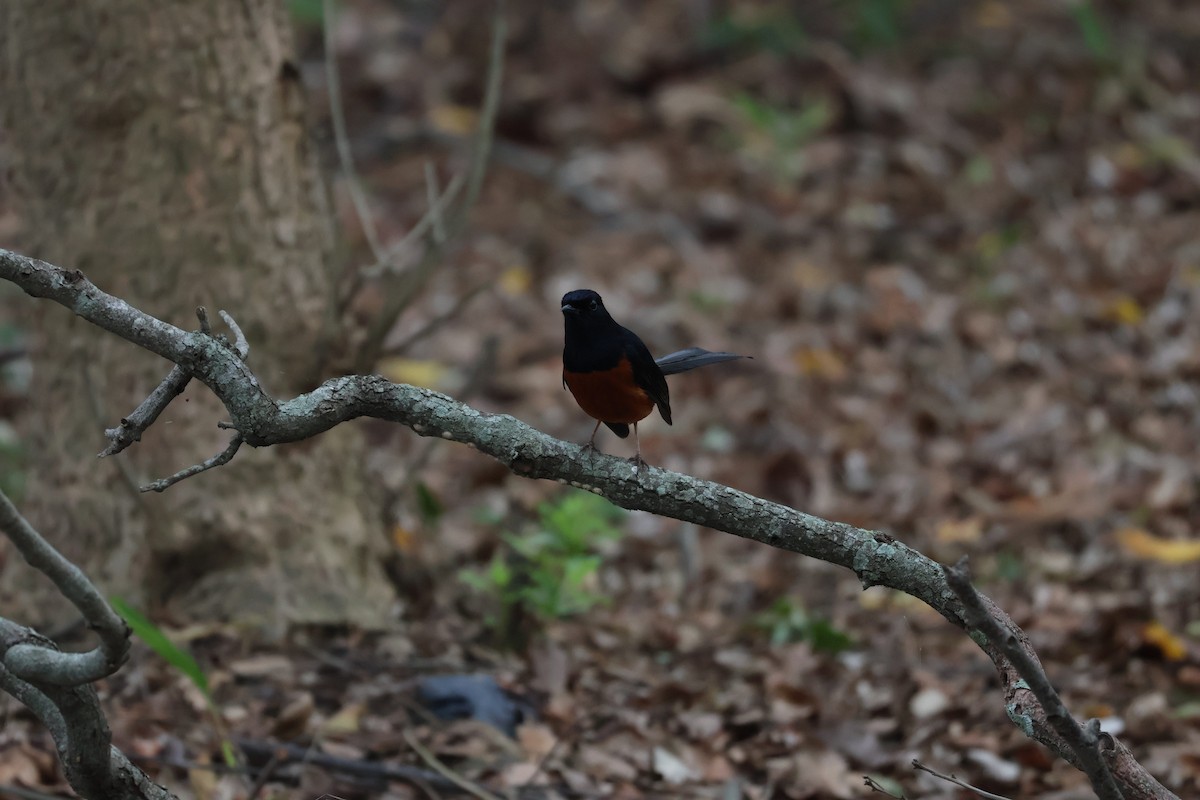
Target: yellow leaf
{"x":1125,"y":310}
{"x":994,"y":14}
{"x":990,"y":245}
{"x":967,"y":530}
{"x":1141,"y":544}
{"x":811,"y":277}
{"x":402,"y":538}
{"x":516,"y":280}
{"x":1130,"y":155}
{"x":1170,"y":645}
{"x":203,"y":781}
{"x":418,"y":372}
{"x":879,"y":598}
{"x":458,"y":120}
{"x":819,"y":362}
{"x":1191,"y":274}
{"x":346,"y":720}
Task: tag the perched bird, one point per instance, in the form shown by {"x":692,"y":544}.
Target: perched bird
{"x":610,"y":371}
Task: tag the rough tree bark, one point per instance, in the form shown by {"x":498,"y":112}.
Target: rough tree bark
{"x":162,"y":146}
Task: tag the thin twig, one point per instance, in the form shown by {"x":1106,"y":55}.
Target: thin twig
{"x":433,"y":194}
{"x":957,"y":782}
{"x":132,"y":427}
{"x":240,"y":345}
{"x":373,"y":770}
{"x":264,"y":775}
{"x":220,"y":459}
{"x":395,"y":255}
{"x":874,"y":785}
{"x":205,"y":325}
{"x":437,"y":766}
{"x":1082,"y":741}
{"x":409,"y":284}
{"x":437,"y":322}
{"x":340,"y":138}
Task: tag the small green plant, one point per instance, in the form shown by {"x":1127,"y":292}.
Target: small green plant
{"x":547,"y":572}
{"x":773,"y":137}
{"x":180,"y":659}
{"x":772,"y":28}
{"x":1094,"y":32}
{"x":308,"y":13}
{"x":876,"y":24}
{"x":786,"y":622}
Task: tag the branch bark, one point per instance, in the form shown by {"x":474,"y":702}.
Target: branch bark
{"x":57,"y":686}
{"x":875,"y":557}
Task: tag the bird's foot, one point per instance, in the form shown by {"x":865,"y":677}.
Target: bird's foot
{"x":589,"y":447}
{"x":638,"y":462}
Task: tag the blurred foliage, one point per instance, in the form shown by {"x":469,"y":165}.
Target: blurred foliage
{"x":307,"y":12}
{"x":428,"y":504}
{"x":876,"y":24}
{"x":158,"y":641}
{"x":547,"y":572}
{"x":773,"y":137}
{"x":786,"y":622}
{"x":1094,"y":31}
{"x":772,"y":28}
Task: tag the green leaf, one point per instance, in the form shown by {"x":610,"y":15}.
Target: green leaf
{"x":1093,"y":30}
{"x":428,"y":504}
{"x":826,"y":638}
{"x":157,"y":641}
{"x":307,"y":12}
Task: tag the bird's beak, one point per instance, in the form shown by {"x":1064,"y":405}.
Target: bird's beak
{"x":570,"y":310}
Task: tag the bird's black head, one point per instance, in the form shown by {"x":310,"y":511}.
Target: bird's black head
{"x":584,"y":307}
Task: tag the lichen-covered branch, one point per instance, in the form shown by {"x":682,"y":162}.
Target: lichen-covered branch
{"x":57,"y":686}
{"x":261,"y":420}
{"x":1084,"y":742}
{"x":31,"y":660}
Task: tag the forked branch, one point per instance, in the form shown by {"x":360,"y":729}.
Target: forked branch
{"x":261,"y":420}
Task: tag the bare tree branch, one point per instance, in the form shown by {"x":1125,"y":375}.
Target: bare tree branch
{"x":132,"y":427}
{"x":341,"y":139}
{"x":407,"y":285}
{"x":35,"y":662}
{"x":219,"y":460}
{"x":875,"y":557}
{"x":958,"y":782}
{"x":56,"y":686}
{"x":1083,"y":742}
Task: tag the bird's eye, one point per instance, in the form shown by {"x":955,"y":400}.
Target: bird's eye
{"x":593,"y":305}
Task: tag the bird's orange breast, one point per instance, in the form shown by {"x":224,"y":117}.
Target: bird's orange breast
{"x":610,"y":395}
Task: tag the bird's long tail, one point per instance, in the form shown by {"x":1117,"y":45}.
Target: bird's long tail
{"x":692,"y":358}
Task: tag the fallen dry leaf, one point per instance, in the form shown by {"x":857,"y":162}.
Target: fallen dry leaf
{"x":1142,"y":544}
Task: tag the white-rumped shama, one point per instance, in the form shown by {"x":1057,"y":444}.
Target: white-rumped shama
{"x":610,"y":371}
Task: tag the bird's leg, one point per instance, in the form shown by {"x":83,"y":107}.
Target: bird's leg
{"x":638,"y":461}
{"x":591,"y":443}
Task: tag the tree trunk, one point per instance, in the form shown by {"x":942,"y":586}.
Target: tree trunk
{"x":162,"y":149}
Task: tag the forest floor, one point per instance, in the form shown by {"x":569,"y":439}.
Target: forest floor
{"x":960,"y":240}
